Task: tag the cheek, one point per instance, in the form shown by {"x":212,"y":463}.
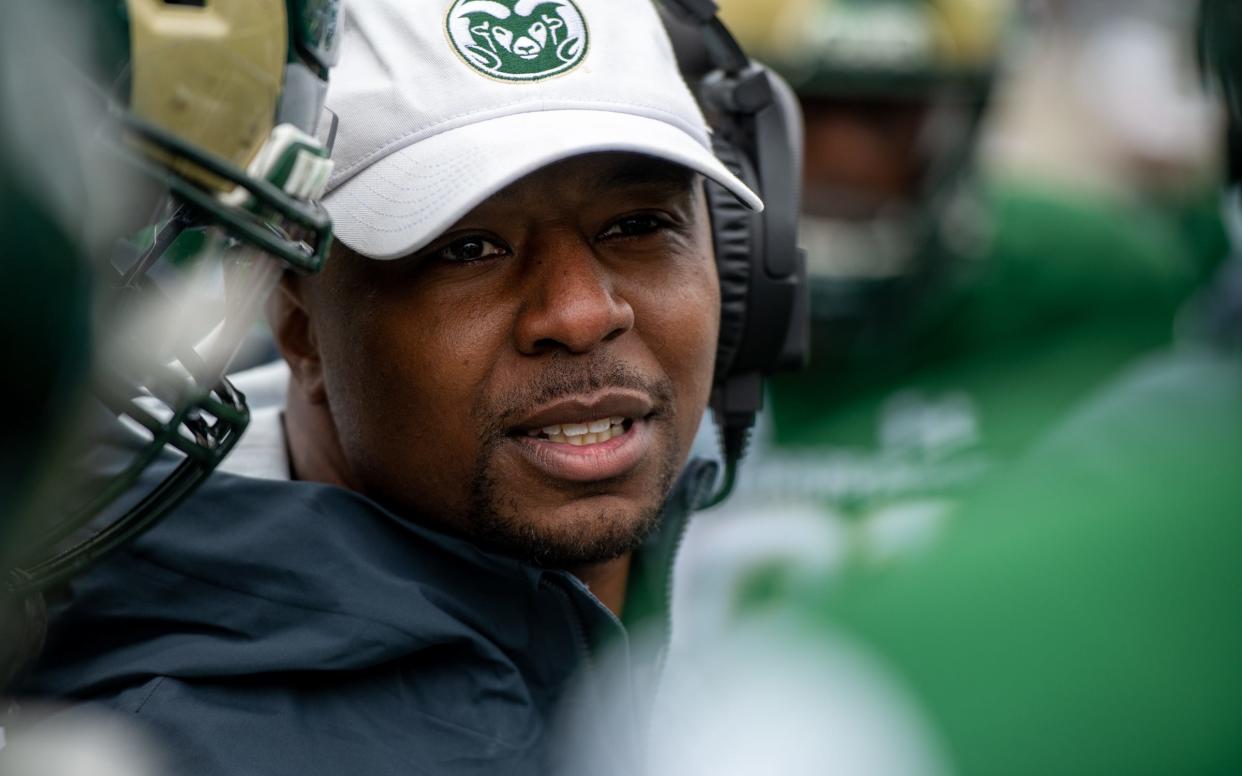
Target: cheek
{"x":682,"y":327}
{"x":694,"y":332}
{"x":413,"y":371}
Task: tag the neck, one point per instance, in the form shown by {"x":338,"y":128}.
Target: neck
{"x":607,"y":581}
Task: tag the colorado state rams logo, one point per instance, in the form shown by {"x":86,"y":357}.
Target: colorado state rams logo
{"x":518,"y":40}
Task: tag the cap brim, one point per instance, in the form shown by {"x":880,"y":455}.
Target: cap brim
{"x":406,"y":199}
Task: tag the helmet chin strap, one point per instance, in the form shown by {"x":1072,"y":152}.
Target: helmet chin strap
{"x":203,"y":432}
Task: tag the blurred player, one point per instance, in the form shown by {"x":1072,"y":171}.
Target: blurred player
{"x":893,"y":93}
{"x":957,"y":314}
{"x":158,"y":171}
{"x":1079,"y":615}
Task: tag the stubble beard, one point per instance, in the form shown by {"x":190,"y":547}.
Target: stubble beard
{"x":586,"y":535}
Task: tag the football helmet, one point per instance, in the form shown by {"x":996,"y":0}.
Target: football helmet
{"x":165,"y":188}
{"x":893,"y":93}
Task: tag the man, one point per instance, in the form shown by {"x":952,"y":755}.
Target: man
{"x":493,"y":391}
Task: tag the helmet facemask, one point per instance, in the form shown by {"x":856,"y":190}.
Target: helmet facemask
{"x":216,"y":110}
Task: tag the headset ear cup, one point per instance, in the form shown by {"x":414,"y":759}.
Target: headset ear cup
{"x":731,"y":237}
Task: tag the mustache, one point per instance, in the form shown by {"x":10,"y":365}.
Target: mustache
{"x":563,"y":379}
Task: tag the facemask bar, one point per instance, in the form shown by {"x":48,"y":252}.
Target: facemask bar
{"x":173,"y":405}
{"x":203,"y":424}
{"x":214,"y":422}
{"x":166,"y":399}
{"x":243,"y":222}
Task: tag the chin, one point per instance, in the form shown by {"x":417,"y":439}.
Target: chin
{"x":582,"y":532}
{"x":560,"y":524}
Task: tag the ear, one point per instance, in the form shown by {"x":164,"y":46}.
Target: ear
{"x":294,"y":330}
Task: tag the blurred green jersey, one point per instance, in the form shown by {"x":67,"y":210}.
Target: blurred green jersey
{"x":1063,"y":293}
{"x":1082,"y":614}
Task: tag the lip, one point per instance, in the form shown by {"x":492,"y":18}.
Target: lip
{"x":577,"y":409}
{"x":588,"y":463}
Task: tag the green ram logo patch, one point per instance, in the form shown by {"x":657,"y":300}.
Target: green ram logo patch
{"x":518,"y":40}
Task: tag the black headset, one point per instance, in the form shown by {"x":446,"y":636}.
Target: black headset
{"x":757,"y":133}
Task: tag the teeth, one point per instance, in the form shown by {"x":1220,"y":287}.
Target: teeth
{"x":578,"y":434}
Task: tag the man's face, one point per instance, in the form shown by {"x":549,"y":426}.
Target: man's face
{"x":459,"y":379}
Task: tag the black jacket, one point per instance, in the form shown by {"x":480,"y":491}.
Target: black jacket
{"x":271,"y":627}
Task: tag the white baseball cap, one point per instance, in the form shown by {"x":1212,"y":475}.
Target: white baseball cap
{"x":442,"y":103}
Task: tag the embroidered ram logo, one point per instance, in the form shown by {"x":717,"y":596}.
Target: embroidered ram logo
{"x":520,"y":38}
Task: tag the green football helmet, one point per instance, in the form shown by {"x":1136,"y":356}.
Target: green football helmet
{"x":160,"y":166}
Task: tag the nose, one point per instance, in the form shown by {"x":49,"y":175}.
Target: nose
{"x":525,"y":47}
{"x":570,"y":303}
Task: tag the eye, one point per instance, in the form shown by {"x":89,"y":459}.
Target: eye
{"x":634,"y":226}
{"x":465,"y":250}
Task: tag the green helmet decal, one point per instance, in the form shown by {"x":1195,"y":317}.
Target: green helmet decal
{"x":518,"y":40}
